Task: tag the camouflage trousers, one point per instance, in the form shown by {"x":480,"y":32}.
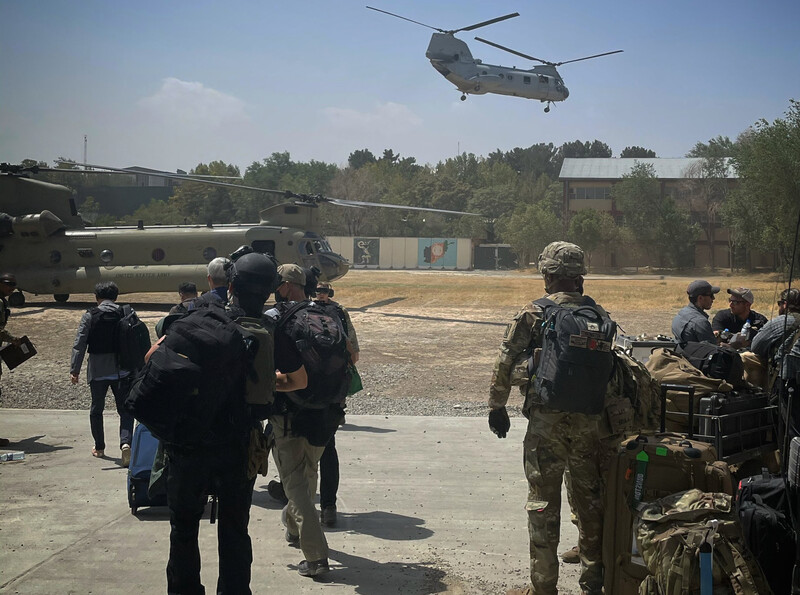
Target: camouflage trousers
{"x":556,"y":441}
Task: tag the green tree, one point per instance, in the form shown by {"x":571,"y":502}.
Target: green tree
{"x":763,"y":210}
{"x":636,"y":151}
{"x":202,"y":203}
{"x":529,"y":229}
{"x":360,"y":158}
{"x":717,"y":147}
{"x":158,"y":212}
{"x":656,"y":222}
{"x":706,"y":187}
{"x":592,"y":229}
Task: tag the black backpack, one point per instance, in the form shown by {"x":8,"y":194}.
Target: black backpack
{"x":763,"y":506}
{"x":715,"y":361}
{"x":119,"y":331}
{"x":321,"y":340}
{"x":575,"y":363}
{"x":191,"y":391}
{"x":133,"y":340}
{"x":103,"y":332}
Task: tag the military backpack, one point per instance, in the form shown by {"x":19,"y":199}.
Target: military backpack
{"x":692,"y":544}
{"x":575,"y":363}
{"x":320,"y":337}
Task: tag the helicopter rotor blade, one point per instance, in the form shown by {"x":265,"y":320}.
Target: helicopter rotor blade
{"x":185,"y":178}
{"x":589,"y":57}
{"x":302,"y":199}
{"x":56,"y":170}
{"x":362,"y":204}
{"x":409,"y":20}
{"x":515,"y":52}
{"x":484,"y":23}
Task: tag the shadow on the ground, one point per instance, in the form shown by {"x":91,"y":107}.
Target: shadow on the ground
{"x":33,"y":446}
{"x":382,"y":525}
{"x":369,"y":577}
{"x":348,"y":427}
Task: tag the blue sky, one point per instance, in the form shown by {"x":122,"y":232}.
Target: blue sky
{"x":171,"y":84}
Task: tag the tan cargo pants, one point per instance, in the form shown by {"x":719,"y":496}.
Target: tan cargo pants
{"x":297,"y":463}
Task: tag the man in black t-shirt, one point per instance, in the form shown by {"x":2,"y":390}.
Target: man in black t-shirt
{"x":734,"y":318}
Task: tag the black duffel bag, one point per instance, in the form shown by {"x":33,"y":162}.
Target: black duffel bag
{"x":715,"y":361}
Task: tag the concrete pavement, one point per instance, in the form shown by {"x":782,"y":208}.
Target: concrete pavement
{"x":426,"y":505}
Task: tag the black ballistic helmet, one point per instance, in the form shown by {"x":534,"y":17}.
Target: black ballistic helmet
{"x":253,"y":273}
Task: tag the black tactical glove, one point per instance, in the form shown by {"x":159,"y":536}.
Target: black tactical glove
{"x":499,"y":422}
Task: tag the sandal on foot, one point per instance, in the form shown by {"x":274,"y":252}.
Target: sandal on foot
{"x":97,"y":453}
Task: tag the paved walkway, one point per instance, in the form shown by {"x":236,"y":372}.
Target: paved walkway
{"x":426,"y":505}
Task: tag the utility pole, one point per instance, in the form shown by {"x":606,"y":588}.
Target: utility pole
{"x":85,"y":143}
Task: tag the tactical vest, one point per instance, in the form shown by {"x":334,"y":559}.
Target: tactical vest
{"x":259,"y":340}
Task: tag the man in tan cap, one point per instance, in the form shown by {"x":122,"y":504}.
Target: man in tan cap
{"x":295,"y":456}
{"x":738,"y":313}
{"x":293,"y":282}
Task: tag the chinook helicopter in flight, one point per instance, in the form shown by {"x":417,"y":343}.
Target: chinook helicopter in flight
{"x":452,"y":59}
{"x":50,"y":249}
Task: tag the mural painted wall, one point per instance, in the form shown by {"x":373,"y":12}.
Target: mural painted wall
{"x":439,"y":253}
{"x":393,"y":253}
{"x":366,"y":252}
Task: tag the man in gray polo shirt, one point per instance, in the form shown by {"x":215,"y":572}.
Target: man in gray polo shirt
{"x":691,"y":322}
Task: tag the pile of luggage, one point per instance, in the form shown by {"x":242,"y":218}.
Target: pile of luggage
{"x":677,"y":520}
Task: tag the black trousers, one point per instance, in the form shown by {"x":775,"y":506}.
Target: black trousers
{"x":329,"y":474}
{"x":191,"y":475}
{"x":98,"y":390}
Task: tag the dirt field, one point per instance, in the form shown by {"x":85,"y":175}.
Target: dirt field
{"x":428,"y":339}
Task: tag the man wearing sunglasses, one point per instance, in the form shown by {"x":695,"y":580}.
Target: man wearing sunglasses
{"x":8,"y":283}
{"x":691,"y":322}
{"x":767,"y":344}
{"x":734,"y":318}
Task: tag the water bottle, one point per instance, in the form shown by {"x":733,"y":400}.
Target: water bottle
{"x":12,"y":456}
{"x":745,"y":332}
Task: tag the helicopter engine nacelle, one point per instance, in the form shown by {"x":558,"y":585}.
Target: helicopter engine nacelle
{"x":37,"y":227}
{"x":446,"y":48}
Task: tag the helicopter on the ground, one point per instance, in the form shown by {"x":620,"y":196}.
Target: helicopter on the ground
{"x":50,"y":249}
{"x":452,"y":59}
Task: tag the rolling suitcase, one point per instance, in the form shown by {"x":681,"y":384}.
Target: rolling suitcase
{"x":737,"y":422}
{"x":143,"y":453}
{"x":645,"y":468}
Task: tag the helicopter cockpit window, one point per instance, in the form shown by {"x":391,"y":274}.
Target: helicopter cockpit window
{"x":526,"y":80}
{"x":264,"y":246}
{"x":543,"y":79}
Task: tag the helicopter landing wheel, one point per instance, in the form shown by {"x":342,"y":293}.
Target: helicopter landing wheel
{"x":547,"y":109}
{"x":61,"y":297}
{"x":16,"y":299}
{"x":463,"y":98}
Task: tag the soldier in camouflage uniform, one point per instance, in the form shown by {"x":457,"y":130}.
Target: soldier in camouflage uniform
{"x":555,"y":440}
{"x":7,"y":285}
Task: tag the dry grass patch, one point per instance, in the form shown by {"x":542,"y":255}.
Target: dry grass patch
{"x":443,"y":289}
